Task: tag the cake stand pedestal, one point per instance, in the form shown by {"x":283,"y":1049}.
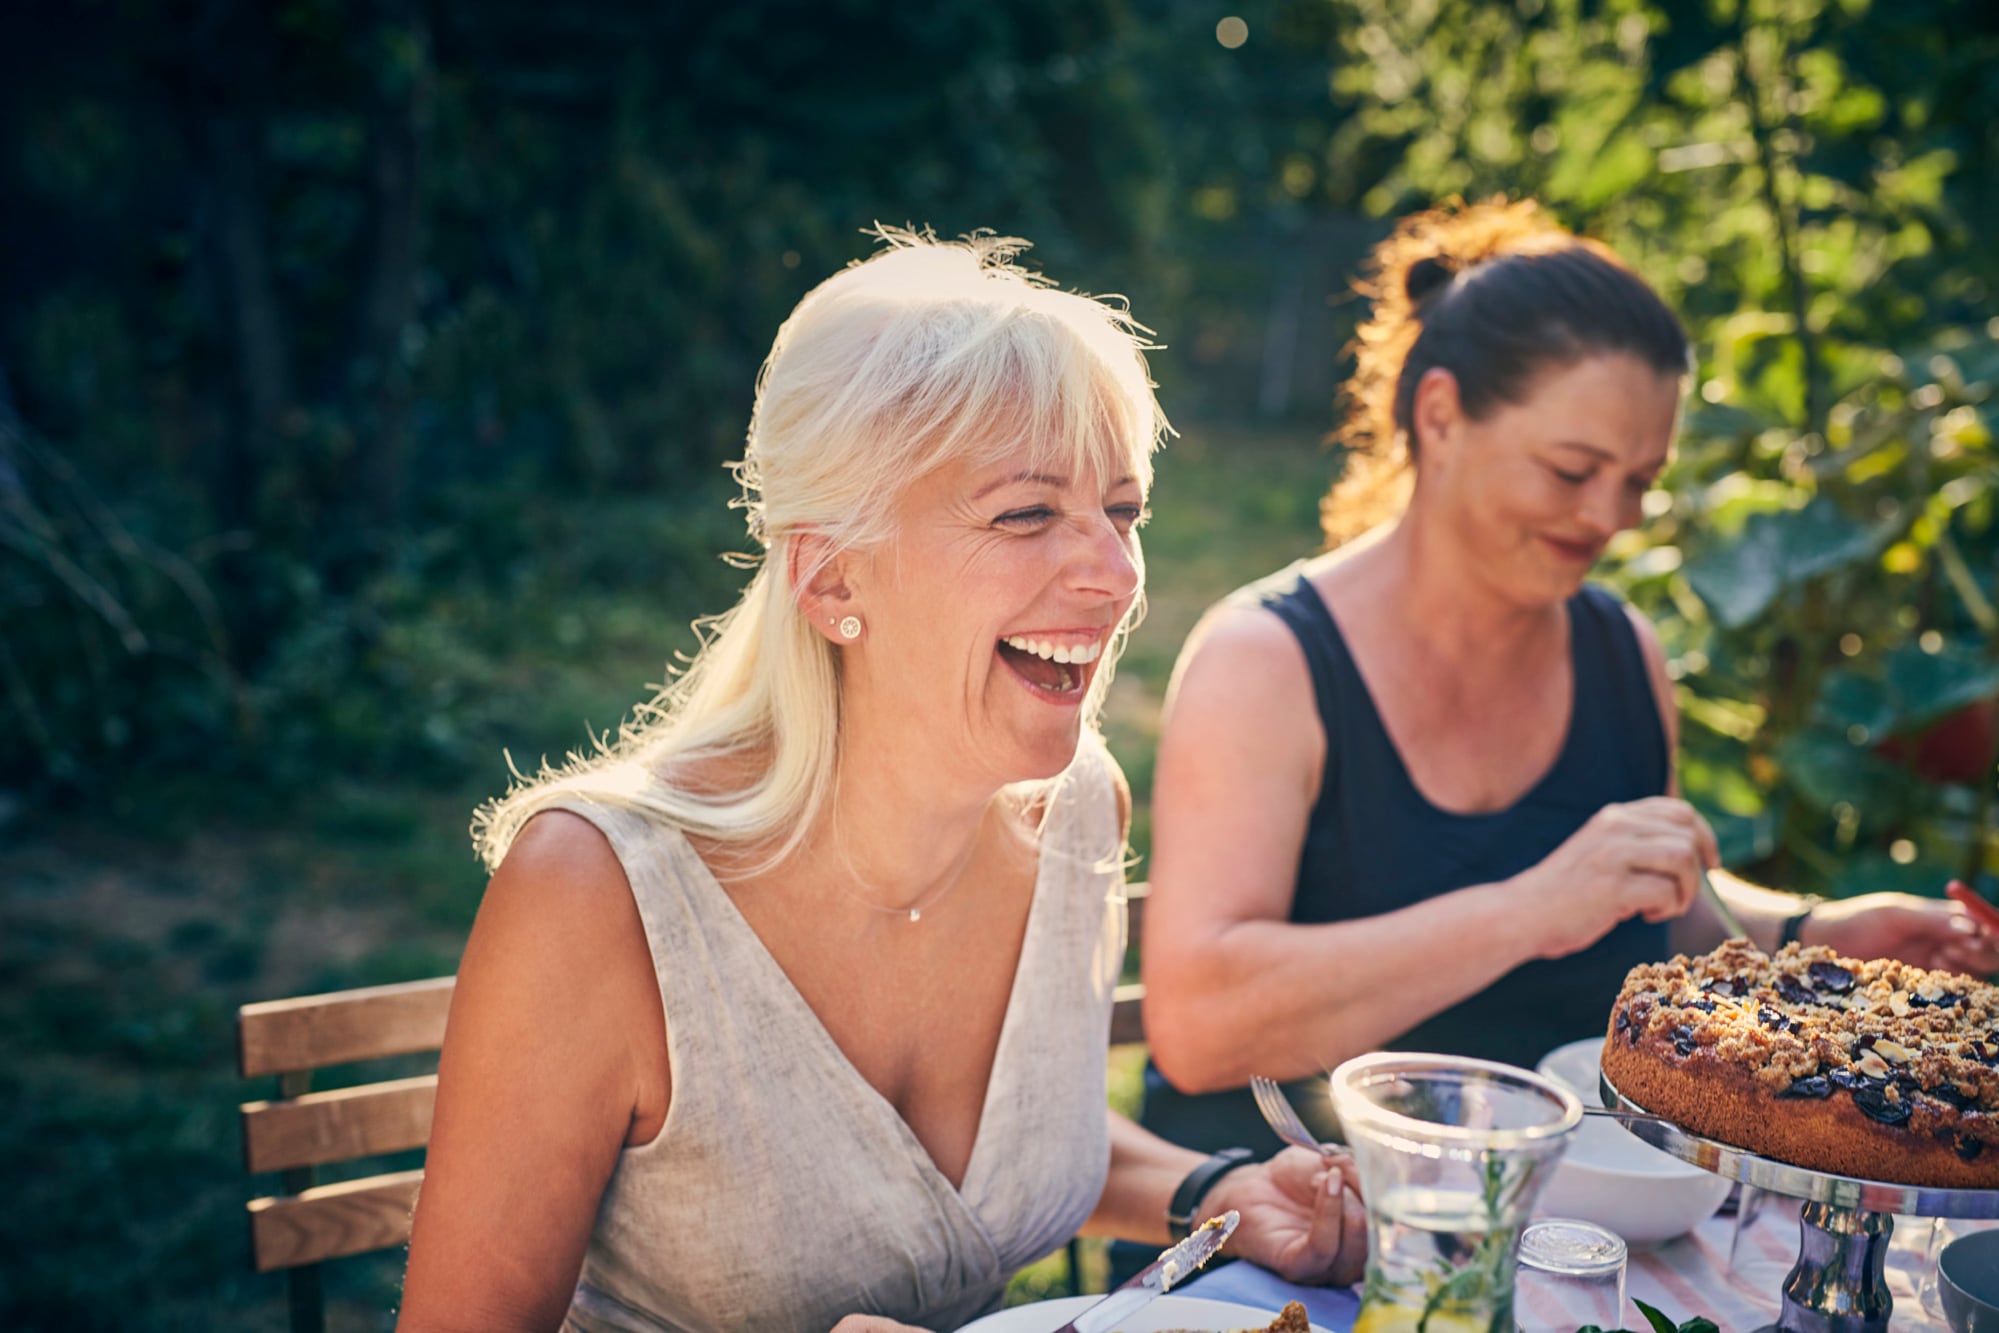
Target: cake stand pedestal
{"x":1837,"y":1285}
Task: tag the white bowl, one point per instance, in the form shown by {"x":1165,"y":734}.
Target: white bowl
{"x":1609,"y":1177}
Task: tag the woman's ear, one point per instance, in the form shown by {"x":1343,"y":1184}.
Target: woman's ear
{"x":819,"y":583}
{"x":1436,"y":418}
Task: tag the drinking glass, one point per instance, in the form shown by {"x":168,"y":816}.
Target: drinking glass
{"x":1571,"y":1275}
{"x":1452,"y":1153}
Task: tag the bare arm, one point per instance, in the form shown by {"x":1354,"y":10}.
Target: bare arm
{"x":553,"y":1061}
{"x":1145,"y":1170}
{"x":1233,"y":988}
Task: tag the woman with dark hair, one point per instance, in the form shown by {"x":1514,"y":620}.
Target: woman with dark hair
{"x":1418,"y":791}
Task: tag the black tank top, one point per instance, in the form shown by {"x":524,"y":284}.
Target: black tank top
{"x":1374,"y":843}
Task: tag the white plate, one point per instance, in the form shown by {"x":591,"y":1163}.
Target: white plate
{"x":1168,"y":1312}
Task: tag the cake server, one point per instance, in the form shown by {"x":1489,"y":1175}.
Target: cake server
{"x":1171,"y":1268}
{"x":1723,"y":913}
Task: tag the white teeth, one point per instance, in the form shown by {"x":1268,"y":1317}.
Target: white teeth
{"x":1078,"y":654}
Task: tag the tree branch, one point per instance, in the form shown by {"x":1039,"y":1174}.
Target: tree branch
{"x":1783,"y":214}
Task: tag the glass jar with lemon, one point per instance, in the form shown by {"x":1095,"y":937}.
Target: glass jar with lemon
{"x":1452,"y":1153}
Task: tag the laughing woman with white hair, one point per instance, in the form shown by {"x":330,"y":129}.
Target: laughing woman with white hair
{"x":791,"y":1011}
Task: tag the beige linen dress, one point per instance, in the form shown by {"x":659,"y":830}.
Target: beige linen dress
{"x":784,"y":1192}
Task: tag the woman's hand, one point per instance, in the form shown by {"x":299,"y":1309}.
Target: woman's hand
{"x":1927,"y":932}
{"x":1301,"y":1216}
{"x":868,"y":1323}
{"x":1640,"y":858}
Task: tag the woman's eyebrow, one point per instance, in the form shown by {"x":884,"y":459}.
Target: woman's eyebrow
{"x":1044,"y":478}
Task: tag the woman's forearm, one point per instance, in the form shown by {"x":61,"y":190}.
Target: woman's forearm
{"x":1287,"y":1001}
{"x":1145,"y":1171}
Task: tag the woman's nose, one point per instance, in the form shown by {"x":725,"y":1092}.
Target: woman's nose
{"x":1108,"y":561}
{"x":1608,"y":510}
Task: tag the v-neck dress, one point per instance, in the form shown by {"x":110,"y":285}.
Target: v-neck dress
{"x":784,"y":1191}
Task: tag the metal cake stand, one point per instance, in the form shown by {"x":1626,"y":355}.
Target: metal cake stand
{"x":1837,"y":1284}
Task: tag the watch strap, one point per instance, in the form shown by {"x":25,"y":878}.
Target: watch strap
{"x":1195,"y":1187}
{"x":1788,"y":933}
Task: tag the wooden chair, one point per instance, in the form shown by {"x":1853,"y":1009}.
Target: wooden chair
{"x":302,"y":1130}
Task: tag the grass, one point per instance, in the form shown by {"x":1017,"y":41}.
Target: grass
{"x":129,"y":936}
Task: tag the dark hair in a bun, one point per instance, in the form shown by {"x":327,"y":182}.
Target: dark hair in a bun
{"x":1426,"y":275}
{"x":1495,"y":293}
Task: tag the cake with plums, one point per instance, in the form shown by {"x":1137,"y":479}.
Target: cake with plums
{"x":1876,"y":1070}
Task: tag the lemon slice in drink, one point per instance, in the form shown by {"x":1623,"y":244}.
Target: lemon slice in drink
{"x":1406,"y":1319}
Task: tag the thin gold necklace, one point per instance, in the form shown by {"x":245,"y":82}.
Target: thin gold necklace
{"x":913,"y":912}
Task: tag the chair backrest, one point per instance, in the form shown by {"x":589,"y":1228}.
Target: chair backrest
{"x":301,"y":1130}
{"x":1128,"y":1011}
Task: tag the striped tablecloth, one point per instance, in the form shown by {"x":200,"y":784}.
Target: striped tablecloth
{"x":1682,"y":1277}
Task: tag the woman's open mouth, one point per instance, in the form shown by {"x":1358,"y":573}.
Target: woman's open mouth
{"x":1059,"y":669}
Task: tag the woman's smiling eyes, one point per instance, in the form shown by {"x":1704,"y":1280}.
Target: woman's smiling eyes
{"x":1127,"y":516}
{"x":1636,"y":485}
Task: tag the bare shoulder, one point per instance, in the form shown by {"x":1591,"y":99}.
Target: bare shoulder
{"x":1241,"y":722}
{"x":1243,"y":660}
{"x":559,"y":930}
{"x":1245,"y":636}
{"x":559,"y":970}
{"x":554,"y":1059}
{"x":561,"y":875}
{"x":562,"y":848}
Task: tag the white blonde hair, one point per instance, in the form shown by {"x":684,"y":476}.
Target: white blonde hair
{"x":925,"y":353}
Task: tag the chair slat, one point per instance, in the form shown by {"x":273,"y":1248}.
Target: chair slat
{"x":332,"y":1221}
{"x":313,"y":1031}
{"x":333,"y":1126}
{"x":1128,"y":1015}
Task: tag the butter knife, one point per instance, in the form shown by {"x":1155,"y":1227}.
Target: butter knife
{"x":1171,"y":1268}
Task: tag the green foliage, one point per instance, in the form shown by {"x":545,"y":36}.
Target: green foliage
{"x":344,"y":298}
{"x":1821,"y":594}
{"x":1659,"y":1322}
{"x":1791,"y":173}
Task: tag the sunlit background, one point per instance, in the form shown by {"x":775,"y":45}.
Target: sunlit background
{"x":367,"y":371}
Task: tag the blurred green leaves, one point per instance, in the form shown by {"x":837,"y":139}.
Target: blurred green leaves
{"x":1806,"y":181}
{"x":1777,"y":551}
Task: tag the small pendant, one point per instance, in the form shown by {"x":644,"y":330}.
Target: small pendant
{"x":916,"y":914}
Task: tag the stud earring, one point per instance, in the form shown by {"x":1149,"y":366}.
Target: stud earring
{"x":850,"y":627}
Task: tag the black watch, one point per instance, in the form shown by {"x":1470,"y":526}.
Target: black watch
{"x":1793,"y":924}
{"x":1180,"y":1213}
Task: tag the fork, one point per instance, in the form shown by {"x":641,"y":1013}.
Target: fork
{"x":1282,"y":1117}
